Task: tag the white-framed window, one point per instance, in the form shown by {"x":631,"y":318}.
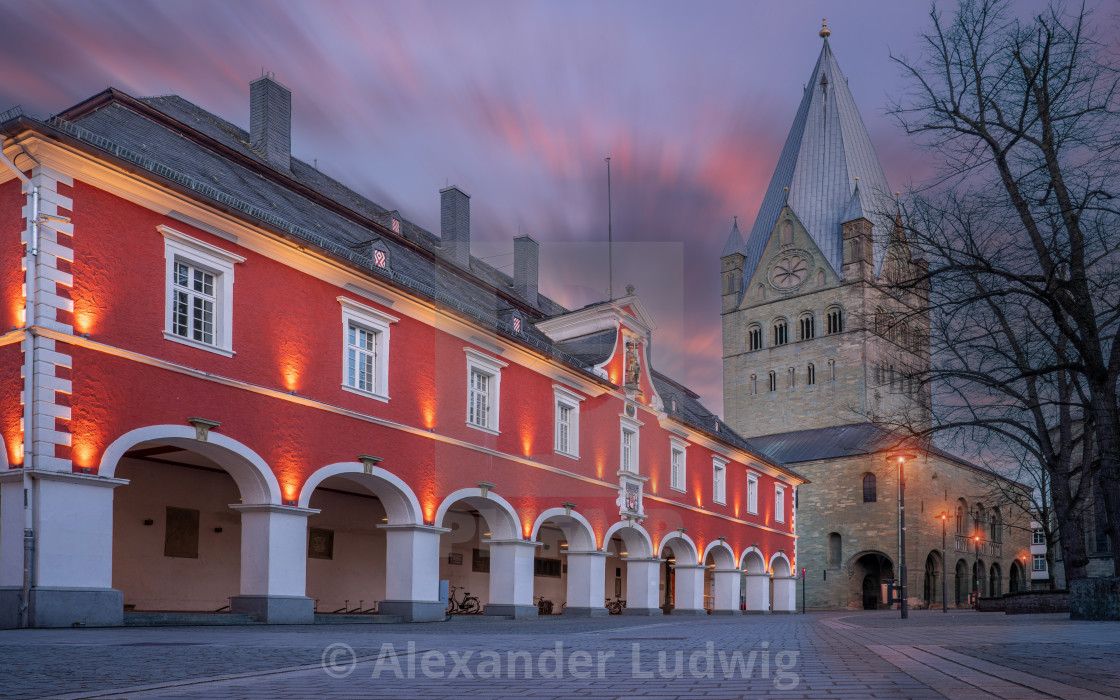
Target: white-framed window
{"x":199,"y":291}
{"x":365,"y":352}
{"x":484,"y":381}
{"x":1039,"y":562}
{"x":567,"y":421}
{"x":719,"y":480}
{"x":779,"y":503}
{"x":1037,"y":536}
{"x":752,"y":494}
{"x":678,"y":451}
{"x":628,"y":454}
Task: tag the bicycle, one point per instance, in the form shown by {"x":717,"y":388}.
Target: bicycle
{"x":469,"y":604}
{"x":616,"y":606}
{"x":544,"y":607}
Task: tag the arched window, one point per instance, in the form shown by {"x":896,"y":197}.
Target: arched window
{"x":996,"y":529}
{"x":820,"y":278}
{"x":754,"y":383}
{"x":781,"y":332}
{"x":960,"y":520}
{"x":792,"y":373}
{"x":811,"y":374}
{"x":880,"y":321}
{"x":754,"y":337}
{"x":835,"y":549}
{"x":904,"y":336}
{"x":761,"y":291}
{"x":916,"y":339}
{"x":869,"y":488}
{"x":807,"y":327}
{"x":832,"y":370}
{"x":773,"y":381}
{"x":787,"y":233}
{"x":835,"y":320}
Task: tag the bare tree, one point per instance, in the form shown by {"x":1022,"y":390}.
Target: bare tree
{"x":1021,"y":236}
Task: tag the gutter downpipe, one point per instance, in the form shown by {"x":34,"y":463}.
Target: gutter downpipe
{"x":30,"y":349}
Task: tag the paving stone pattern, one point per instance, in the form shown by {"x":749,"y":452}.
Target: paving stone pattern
{"x":820,"y":655}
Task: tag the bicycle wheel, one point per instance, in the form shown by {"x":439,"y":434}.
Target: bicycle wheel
{"x":450,"y":608}
{"x":471,"y":606}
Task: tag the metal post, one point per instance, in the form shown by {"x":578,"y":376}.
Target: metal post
{"x":944,"y":569}
{"x":976,"y":569}
{"x":902,"y":535}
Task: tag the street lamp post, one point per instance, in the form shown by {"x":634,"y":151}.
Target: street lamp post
{"x":1026,"y":586}
{"x":976,"y":570}
{"x":944,"y":571}
{"x":901,"y":458}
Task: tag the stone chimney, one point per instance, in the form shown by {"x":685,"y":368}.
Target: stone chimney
{"x":455,"y":224}
{"x":526,"y":253}
{"x":270,"y":122}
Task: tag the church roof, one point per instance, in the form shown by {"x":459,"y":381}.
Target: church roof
{"x":840,"y":441}
{"x":827,"y":148}
{"x":735,"y":243}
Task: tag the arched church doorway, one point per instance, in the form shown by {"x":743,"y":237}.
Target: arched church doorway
{"x":871,"y":570}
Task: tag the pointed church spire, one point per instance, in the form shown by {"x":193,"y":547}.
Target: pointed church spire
{"x":735,"y":243}
{"x":827,"y":147}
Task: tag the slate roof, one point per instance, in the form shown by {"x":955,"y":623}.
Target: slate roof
{"x":838,"y":442}
{"x":683,"y":404}
{"x":594,"y":348}
{"x":827,"y":148}
{"x":735,"y":243}
{"x":129,"y":134}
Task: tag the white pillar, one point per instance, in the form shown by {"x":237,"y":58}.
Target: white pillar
{"x":688,"y":599}
{"x":511,"y":578}
{"x":728,"y":583}
{"x":72,"y":576}
{"x":412,"y":572}
{"x":274,"y":564}
{"x":758,"y":593}
{"x":643,"y":576}
{"x":785,"y":594}
{"x":586,"y":584}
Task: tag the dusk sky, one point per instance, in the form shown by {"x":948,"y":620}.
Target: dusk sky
{"x":518,"y":103}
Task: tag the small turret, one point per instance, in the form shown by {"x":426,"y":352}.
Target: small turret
{"x":731,"y":267}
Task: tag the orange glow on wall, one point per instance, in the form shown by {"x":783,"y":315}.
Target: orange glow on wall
{"x":653,"y":484}
{"x":83,"y":454}
{"x":527,"y":528}
{"x":428,"y":412}
{"x":15,"y":450}
{"x":84,"y":321}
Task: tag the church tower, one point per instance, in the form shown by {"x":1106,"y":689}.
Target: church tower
{"x":810,"y":337}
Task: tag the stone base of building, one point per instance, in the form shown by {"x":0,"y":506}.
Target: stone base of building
{"x":64,"y":607}
{"x":413,"y":610}
{"x":1095,"y":599}
{"x":727,"y":612}
{"x":687,"y":612}
{"x":275,"y":609}
{"x":584,"y":612}
{"x":9,"y":607}
{"x":1036,"y":602}
{"x":517,"y":612}
{"x":643,"y":612}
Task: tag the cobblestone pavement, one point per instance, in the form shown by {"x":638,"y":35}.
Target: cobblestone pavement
{"x":820,"y":655}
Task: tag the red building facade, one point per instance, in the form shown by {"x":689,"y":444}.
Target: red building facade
{"x":230,"y":381}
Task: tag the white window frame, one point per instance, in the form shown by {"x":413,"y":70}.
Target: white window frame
{"x":752,"y":493}
{"x":179,"y":247}
{"x":678,"y":446}
{"x":377,"y":322}
{"x":1037,"y":536}
{"x":492,"y":367}
{"x":1037,"y":559}
{"x":570,"y":400}
{"x":719,"y":480}
{"x":779,"y":502}
{"x":629,"y":425}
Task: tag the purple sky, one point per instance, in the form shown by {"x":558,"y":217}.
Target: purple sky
{"x":518,"y":103}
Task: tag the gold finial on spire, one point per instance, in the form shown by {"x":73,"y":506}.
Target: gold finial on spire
{"x":825,"y":32}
